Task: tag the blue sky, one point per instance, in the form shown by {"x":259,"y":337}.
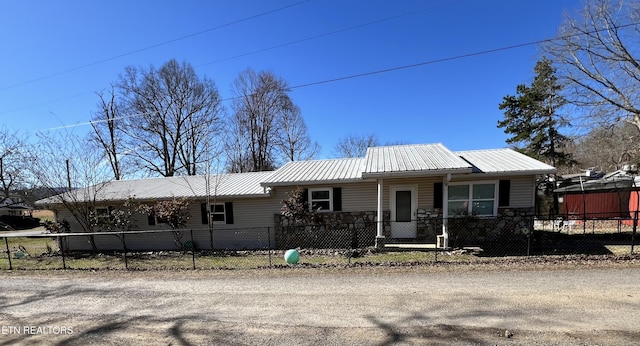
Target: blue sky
{"x":57,"y":54}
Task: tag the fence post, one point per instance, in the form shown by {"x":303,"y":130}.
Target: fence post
{"x":269,"y":242}
{"x":124,"y":247}
{"x":193,"y":251}
{"x":6,"y":241}
{"x":435,"y":260}
{"x":352,"y":234}
{"x":635,"y":228}
{"x":64,"y":262}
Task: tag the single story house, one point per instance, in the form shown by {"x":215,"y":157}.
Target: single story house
{"x":400,"y":192}
{"x":15,"y":214}
{"x":12,"y":206}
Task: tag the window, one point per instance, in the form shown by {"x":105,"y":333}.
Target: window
{"x":218,"y":214}
{"x":321,"y":199}
{"x":477,"y":199}
{"x":102,"y":213}
{"x":153,"y":219}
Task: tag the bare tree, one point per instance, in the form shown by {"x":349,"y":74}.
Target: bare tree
{"x":12,"y":161}
{"x":106,"y":132}
{"x":608,"y":148}
{"x":598,"y":60}
{"x":175,"y":117}
{"x":293,"y":141}
{"x":236,"y":147}
{"x":174,"y":212}
{"x":354,"y":145}
{"x":72,"y":172}
{"x":261,"y":102}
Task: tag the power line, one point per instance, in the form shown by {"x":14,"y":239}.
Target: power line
{"x":323,"y":35}
{"x":232,"y":57}
{"x":430,"y":62}
{"x":404,"y":67}
{"x":154,"y":45}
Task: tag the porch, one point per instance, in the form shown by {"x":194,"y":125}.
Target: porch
{"x":344,"y":230}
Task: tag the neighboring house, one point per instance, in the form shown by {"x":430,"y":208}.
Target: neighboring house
{"x":411,"y":188}
{"x":16,"y":214}
{"x":612,"y":196}
{"x":598,"y":199}
{"x":12,"y":206}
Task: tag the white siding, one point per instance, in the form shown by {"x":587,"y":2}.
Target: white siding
{"x":359,"y":197}
{"x":522,"y":192}
{"x":247,"y":213}
{"x":425,"y":190}
{"x":253,"y":228}
{"x":355,"y":196}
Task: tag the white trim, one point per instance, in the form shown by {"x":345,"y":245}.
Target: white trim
{"x":411,"y":226}
{"x":416,"y":174}
{"x":496,"y":188}
{"x":330,"y":200}
{"x":212,"y":212}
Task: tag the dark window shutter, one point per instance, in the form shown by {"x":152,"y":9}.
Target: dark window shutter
{"x":337,"y":199}
{"x":305,"y":198}
{"x":152,"y":219}
{"x":504,"y":193}
{"x":228,"y":212}
{"x":438,"y":195}
{"x":204,"y":213}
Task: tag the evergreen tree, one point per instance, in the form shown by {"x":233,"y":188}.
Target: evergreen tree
{"x":533,"y":120}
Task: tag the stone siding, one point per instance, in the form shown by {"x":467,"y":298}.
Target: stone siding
{"x":358,"y":229}
{"x":510,"y":224}
{"x":331,"y":230}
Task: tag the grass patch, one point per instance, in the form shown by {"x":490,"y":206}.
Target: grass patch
{"x":44,"y":215}
{"x":33,"y":246}
{"x":619,"y":249}
{"x":247,"y":260}
{"x":41,"y":253}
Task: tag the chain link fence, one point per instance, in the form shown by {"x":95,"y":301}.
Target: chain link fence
{"x":469,"y":238}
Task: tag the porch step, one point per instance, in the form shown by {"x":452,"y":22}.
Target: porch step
{"x":411,"y":246}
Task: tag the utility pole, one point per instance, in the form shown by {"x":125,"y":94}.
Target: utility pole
{"x":68,"y":175}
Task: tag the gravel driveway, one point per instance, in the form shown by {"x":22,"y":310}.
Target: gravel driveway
{"x":365,"y":306}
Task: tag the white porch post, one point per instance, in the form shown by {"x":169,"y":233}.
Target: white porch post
{"x":445,"y":210}
{"x":380,"y":216}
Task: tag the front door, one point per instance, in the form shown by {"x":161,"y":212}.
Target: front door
{"x":404,"y":202}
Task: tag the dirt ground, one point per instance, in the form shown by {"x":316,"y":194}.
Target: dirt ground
{"x":564,"y":304}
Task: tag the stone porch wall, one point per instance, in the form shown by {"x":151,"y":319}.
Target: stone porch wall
{"x":510,"y":224}
{"x":332,"y":230}
{"x":358,"y":229}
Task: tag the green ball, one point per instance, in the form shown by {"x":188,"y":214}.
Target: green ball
{"x":292,"y":256}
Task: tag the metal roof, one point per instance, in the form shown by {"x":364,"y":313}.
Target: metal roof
{"x":222,"y":185}
{"x":387,"y":161}
{"x":505,"y":161}
{"x":317,"y":172}
{"x":615,"y":184}
{"x":412,"y":160}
